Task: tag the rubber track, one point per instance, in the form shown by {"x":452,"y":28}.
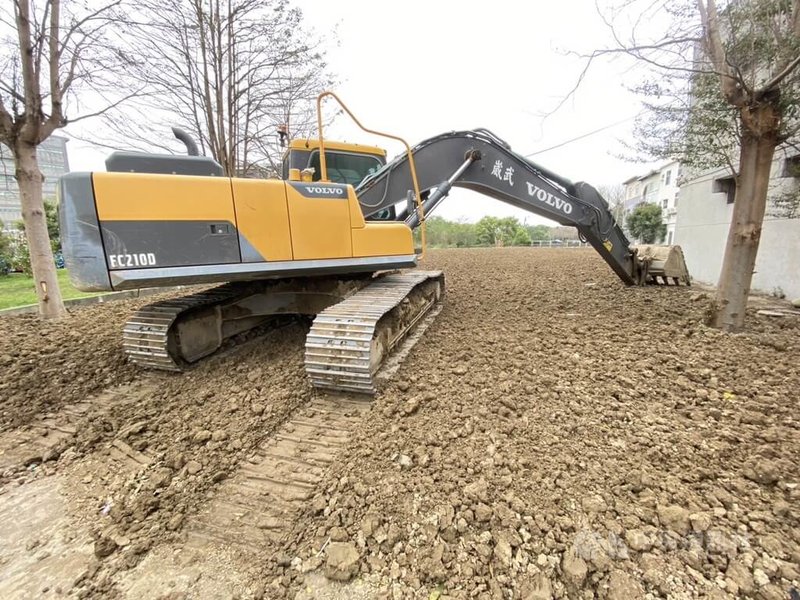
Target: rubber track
{"x":145,"y":336}
{"x":339,"y":344}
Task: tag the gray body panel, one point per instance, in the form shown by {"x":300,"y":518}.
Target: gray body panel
{"x":248,"y":251}
{"x":173,"y":243}
{"x":166,"y":164}
{"x":158,"y":277}
{"x":81,"y":241}
{"x":504,"y":175}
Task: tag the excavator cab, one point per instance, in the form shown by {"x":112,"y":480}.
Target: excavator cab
{"x":346,"y":163}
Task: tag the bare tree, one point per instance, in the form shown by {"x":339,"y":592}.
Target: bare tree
{"x":614,"y":194}
{"x":293,"y":107}
{"x":230,"y":72}
{"x":725,"y":93}
{"x":49,"y":51}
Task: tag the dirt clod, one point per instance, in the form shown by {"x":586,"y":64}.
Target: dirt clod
{"x":342,"y":561}
{"x":574,"y":568}
{"x":104,"y":546}
{"x":202,"y":436}
{"x":675,"y":518}
{"x":622,"y":586}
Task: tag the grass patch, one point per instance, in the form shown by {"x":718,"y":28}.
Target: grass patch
{"x":18,"y":290}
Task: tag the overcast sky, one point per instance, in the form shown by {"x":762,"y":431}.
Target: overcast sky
{"x":418,"y":68}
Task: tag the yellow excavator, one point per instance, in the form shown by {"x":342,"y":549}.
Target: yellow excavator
{"x":332,"y":240}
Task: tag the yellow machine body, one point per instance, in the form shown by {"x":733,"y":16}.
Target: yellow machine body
{"x":165,"y":229}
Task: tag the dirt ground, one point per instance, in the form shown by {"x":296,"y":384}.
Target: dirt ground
{"x":553,"y":434}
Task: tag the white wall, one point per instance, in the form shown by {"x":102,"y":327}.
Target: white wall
{"x":702,"y":225}
{"x":654,"y":188}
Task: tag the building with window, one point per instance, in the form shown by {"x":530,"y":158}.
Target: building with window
{"x":53,"y":163}
{"x":659,"y":186}
{"x":704,"y":219}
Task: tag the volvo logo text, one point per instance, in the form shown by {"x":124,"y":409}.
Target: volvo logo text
{"x":548,"y":198}
{"x":331,"y":191}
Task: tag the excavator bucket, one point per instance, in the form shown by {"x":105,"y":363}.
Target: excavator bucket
{"x":664,"y":262}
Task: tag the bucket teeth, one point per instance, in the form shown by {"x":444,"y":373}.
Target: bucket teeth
{"x":662,"y":264}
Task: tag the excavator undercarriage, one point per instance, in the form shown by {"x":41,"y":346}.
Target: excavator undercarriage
{"x":359,"y":320}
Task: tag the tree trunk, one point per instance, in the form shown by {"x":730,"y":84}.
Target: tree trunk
{"x":29,"y":179}
{"x":755,"y":162}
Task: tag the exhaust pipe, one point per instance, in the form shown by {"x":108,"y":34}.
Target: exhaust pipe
{"x":191,"y":146}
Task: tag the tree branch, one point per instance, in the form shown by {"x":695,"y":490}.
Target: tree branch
{"x":779,"y":77}
{"x":716,"y":52}
{"x":6,"y":125}
{"x":78,"y":25}
{"x":30,"y":82}
{"x":56,"y":108}
{"x":41,"y":36}
{"x":105,"y":109}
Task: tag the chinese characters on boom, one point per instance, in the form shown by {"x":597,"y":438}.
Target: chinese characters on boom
{"x":502,"y":175}
{"x":534,"y":191}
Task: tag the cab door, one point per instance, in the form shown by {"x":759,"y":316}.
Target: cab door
{"x":319,"y":217}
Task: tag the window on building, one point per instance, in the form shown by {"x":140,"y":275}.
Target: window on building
{"x":667,"y":177}
{"x":664,"y":203}
{"x":675,"y":202}
{"x":727,"y":186}
{"x":791,"y":166}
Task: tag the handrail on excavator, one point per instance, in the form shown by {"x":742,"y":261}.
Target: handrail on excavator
{"x":412,"y":167}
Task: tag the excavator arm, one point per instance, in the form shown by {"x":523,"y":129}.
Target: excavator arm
{"x":480,"y":161}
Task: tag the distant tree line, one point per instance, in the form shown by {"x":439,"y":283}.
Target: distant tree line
{"x":489,"y":231}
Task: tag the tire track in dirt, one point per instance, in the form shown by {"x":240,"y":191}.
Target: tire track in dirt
{"x":46,"y":546}
{"x":251,"y":514}
{"x":41,"y":552}
{"x":254,"y":507}
{"x":48,"y":364}
{"x":45,"y":439}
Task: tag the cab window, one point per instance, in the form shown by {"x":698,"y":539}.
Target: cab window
{"x":344,"y":167}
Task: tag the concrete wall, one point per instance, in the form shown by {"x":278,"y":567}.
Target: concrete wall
{"x":703,"y":221}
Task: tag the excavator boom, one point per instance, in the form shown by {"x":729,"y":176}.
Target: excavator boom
{"x":480,"y":161}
